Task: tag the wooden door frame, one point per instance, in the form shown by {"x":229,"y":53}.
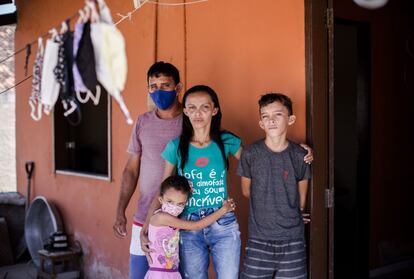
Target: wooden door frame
{"x":319,"y":93}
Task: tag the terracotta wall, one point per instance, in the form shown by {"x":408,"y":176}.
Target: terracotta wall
{"x":242,"y":49}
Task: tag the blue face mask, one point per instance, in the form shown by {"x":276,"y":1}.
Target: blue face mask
{"x":163,"y":99}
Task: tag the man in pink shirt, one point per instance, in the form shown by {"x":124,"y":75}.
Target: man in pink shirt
{"x":151,"y":133}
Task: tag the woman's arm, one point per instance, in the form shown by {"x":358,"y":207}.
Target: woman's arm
{"x":165,"y":219}
{"x":309,"y":156}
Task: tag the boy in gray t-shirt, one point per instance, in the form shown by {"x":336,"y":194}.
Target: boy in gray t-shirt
{"x":275,"y":179}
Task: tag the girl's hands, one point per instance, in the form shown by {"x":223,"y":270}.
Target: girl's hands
{"x":145,"y":244}
{"x":229,"y":205}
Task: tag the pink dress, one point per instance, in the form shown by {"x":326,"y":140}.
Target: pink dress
{"x":165,"y":259}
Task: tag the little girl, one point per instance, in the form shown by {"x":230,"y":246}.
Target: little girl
{"x":163,"y":230}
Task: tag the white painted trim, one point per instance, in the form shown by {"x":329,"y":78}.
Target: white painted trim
{"x":73,"y":173}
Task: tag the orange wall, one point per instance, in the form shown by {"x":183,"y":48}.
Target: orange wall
{"x":242,"y":49}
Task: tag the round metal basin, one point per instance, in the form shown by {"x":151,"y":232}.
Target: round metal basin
{"x":42,"y":220}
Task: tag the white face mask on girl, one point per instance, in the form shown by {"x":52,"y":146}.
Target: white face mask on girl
{"x":172,"y":209}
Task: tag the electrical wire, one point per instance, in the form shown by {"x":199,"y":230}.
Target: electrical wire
{"x":15,"y":85}
{"x":32,"y":42}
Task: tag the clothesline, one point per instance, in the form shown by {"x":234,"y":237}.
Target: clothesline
{"x":34,"y":41}
{"x":177,"y":4}
{"x":123,"y":17}
{"x":137,"y":3}
{"x":15,"y":85}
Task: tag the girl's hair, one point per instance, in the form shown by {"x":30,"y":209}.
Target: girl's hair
{"x":178,"y":182}
{"x":188,"y":131}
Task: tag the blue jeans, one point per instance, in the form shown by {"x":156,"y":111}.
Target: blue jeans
{"x":138,"y":266}
{"x":221,"y":239}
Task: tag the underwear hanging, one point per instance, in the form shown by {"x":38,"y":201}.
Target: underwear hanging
{"x":64,"y":75}
{"x":85,"y":64}
{"x":49,"y":87}
{"x":35,"y":97}
{"x":110,"y":57}
{"x":83,"y":93}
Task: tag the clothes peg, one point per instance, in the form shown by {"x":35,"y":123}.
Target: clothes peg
{"x":105,"y":14}
{"x":53,"y":33}
{"x":101,"y":4}
{"x":137,"y":4}
{"x":86,"y":12}
{"x":94,"y":17}
{"x":64,"y":27}
{"x":81,"y":18}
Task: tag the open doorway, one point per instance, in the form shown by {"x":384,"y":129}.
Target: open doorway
{"x":351,"y":148}
{"x":361,"y":109}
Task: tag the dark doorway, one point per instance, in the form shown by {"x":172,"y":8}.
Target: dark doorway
{"x":339,"y":243}
{"x":351,"y":148}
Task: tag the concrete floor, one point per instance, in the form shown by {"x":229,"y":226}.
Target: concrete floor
{"x":399,"y":275}
{"x":29,"y":271}
{"x":19,"y":271}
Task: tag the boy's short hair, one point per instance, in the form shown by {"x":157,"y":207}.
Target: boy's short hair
{"x":163,"y":68}
{"x":178,"y":182}
{"x":276,"y":97}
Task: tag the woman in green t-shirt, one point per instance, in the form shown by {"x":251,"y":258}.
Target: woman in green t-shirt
{"x":201,"y":155}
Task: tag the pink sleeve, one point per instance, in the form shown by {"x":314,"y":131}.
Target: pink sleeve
{"x":134,"y":146}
